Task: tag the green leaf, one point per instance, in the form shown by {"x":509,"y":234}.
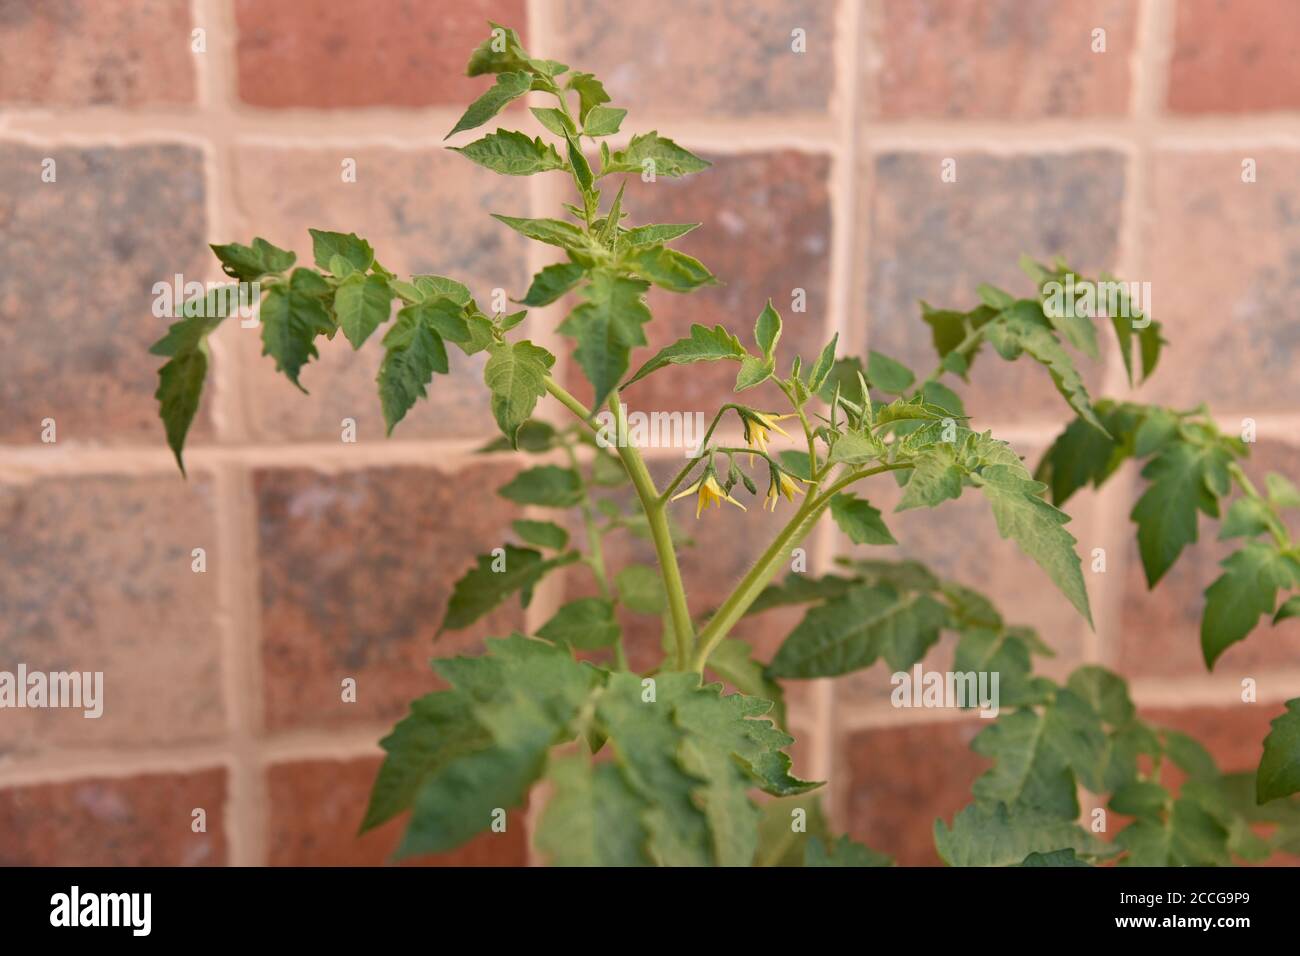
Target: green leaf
{"x":1166,"y":512}
{"x":786,"y":826}
{"x":1041,"y":758}
{"x":607,"y":326}
{"x":494,"y":578}
{"x":547,"y":485}
{"x":822,"y":370}
{"x":859,"y":520}
{"x":509,"y":86}
{"x":440,"y":728}
{"x":753,"y":371}
{"x":180,"y":387}
{"x":543,"y":534}
{"x":603,"y":121}
{"x":415,"y":352}
{"x":983,"y":835}
{"x":591,"y":93}
{"x":732,"y":661}
{"x":934,"y":479}
{"x":554,"y":120}
{"x":1246,"y":517}
{"x":1055,"y":858}
{"x":856,"y":448}
{"x":732,"y":725}
{"x":501,"y":52}
{"x":767,"y":330}
{"x":249,"y":263}
{"x":1080,"y":456}
{"x":581,"y":168}
{"x":646,"y":741}
{"x":527,"y":703}
{"x":326,"y":245}
{"x":554,"y":232}
{"x":552,"y":282}
{"x":1036,"y":527}
{"x":1281,"y":492}
{"x":512,"y":153}
{"x":801,"y":589}
{"x":1289,"y":608}
{"x":593,"y":817}
{"x":703,"y":345}
{"x":1008,"y":652}
{"x":1246,"y":590}
{"x":848,"y":633}
{"x":292,"y":316}
{"x":887,"y":374}
{"x":587,"y":624}
{"x":1020,"y":328}
{"x":515,"y":374}
{"x":434,"y":286}
{"x":1279,"y":768}
{"x":843,"y":852}
{"x":180,"y":380}
{"x":668,"y":268}
{"x":657,"y":232}
{"x":641,"y":589}
{"x":1189,"y":836}
{"x":362,"y":303}
{"x":650,"y":151}
{"x":1105,"y":693}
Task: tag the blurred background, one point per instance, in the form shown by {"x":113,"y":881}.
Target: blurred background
{"x":173,"y":124}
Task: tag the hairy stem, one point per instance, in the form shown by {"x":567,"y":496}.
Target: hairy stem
{"x":655,"y":512}
{"x":761,"y":573}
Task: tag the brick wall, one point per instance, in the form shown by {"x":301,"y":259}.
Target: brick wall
{"x":223,"y":686}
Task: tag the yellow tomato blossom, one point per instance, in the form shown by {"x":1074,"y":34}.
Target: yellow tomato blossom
{"x":757,"y":426}
{"x":782,"y":484}
{"x":710,"y":493}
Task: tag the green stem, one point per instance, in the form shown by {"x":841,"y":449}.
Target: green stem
{"x":595,"y":557}
{"x":761,"y":573}
{"x":657,"y":518}
{"x":655,"y":512}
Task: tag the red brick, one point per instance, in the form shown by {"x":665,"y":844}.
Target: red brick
{"x":72,"y":54}
{"x":316,"y":807}
{"x":402,"y":202}
{"x":1221,"y":254}
{"x":1235,"y":56}
{"x":900,"y":779}
{"x":92,"y":243}
{"x":356,"y":571}
{"x":317,"y":53}
{"x":937,"y":241}
{"x":96,"y":575}
{"x":129,"y":821}
{"x":998,"y":59}
{"x":704,"y":57}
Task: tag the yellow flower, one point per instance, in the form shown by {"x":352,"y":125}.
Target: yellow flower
{"x":757,"y":425}
{"x":710,"y":493}
{"x":782,"y":484}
